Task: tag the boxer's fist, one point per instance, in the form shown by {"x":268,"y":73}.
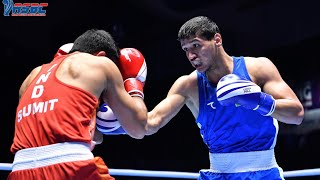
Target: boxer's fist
{"x":64,"y":49}
{"x":107,"y":123}
{"x":233,"y":90}
{"x":133,"y":68}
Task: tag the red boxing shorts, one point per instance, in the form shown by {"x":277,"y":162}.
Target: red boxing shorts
{"x":72,"y":161}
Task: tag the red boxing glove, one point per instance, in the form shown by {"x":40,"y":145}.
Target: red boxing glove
{"x":133,"y":68}
{"x":64,"y":49}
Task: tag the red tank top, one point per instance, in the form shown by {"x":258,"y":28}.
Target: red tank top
{"x":51,"y":111}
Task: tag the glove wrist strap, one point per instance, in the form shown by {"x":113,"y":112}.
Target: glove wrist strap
{"x":266,"y":105}
{"x":134,"y":87}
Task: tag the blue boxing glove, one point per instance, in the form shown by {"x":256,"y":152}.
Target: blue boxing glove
{"x":107,"y":123}
{"x":233,"y":90}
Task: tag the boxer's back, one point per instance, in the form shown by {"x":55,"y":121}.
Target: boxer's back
{"x":56,"y":106}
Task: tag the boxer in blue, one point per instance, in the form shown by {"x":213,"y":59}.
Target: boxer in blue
{"x":236,"y":101}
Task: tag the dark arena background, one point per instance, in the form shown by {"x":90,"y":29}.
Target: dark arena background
{"x":287,"y":32}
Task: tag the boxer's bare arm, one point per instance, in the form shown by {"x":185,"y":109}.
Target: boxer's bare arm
{"x":131,"y":111}
{"x":288,"y":107}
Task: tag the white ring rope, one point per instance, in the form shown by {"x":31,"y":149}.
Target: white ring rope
{"x":302,"y":173}
{"x":182,"y":175}
{"x":147,"y":173}
{"x":5,"y":166}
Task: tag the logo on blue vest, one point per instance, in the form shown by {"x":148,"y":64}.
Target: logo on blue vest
{"x":211,"y":105}
{"x":23,"y":9}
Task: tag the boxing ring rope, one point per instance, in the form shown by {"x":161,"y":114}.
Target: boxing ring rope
{"x":181,"y":175}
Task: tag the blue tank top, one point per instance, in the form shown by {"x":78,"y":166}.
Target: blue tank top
{"x":226,"y":129}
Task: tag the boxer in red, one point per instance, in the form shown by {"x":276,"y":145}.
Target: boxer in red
{"x":56,"y":115}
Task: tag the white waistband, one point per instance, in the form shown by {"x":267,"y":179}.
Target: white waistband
{"x":242,"y":161}
{"x":51,"y":154}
